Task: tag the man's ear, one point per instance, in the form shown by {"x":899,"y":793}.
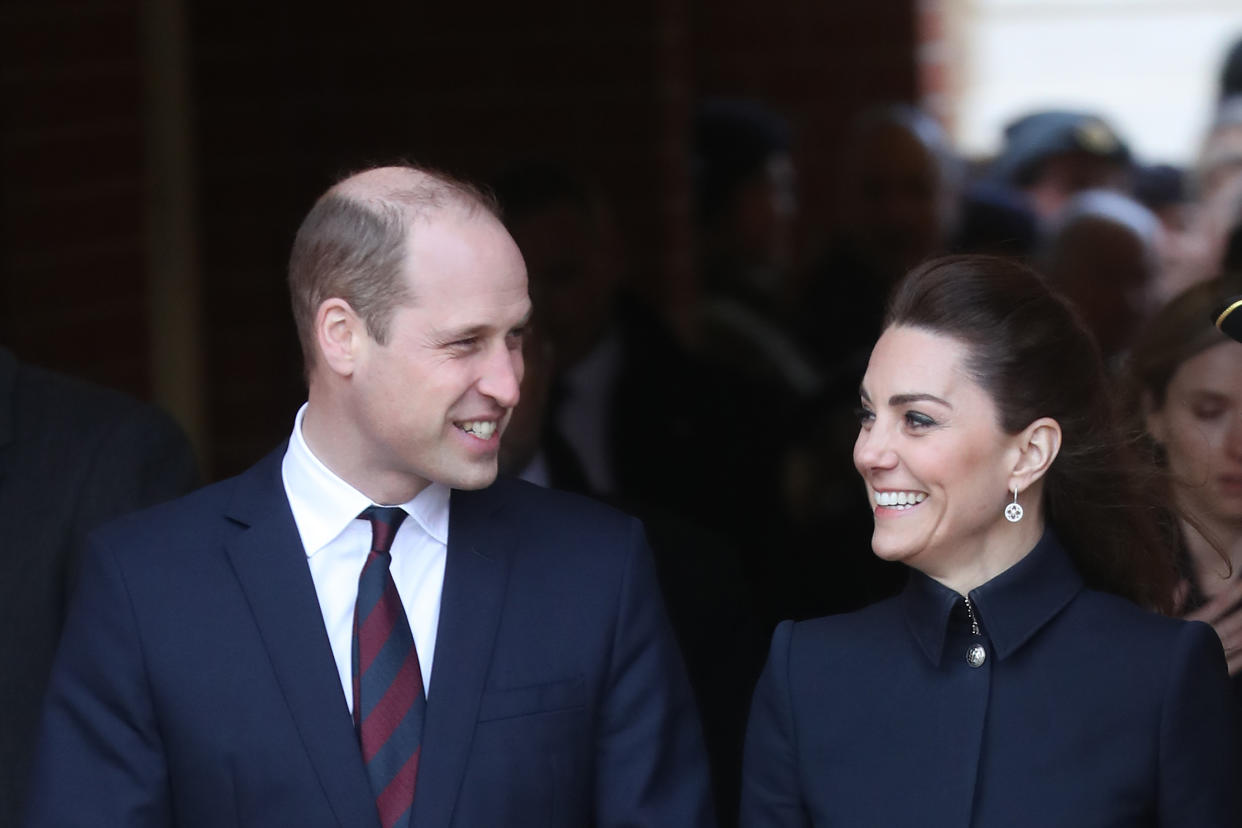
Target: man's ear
{"x":1038,"y":445}
{"x":341,"y":336}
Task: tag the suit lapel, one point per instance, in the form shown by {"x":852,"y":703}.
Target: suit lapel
{"x":475,"y":575}
{"x":270,"y":563}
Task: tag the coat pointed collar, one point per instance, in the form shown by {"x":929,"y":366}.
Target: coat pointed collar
{"x":271,"y":567}
{"x":475,"y":578}
{"x":1011,"y":607}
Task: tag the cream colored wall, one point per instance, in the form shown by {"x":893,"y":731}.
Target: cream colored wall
{"x":1148,"y":66}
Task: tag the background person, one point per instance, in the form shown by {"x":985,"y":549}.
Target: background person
{"x":72,"y":457}
{"x":1187,"y":376}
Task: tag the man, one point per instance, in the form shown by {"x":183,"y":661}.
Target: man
{"x":72,"y":456}
{"x":517,"y":668}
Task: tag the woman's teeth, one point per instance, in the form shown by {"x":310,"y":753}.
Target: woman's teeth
{"x":899,"y":500}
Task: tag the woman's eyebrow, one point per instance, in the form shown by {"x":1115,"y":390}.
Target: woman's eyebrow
{"x":906,"y":399}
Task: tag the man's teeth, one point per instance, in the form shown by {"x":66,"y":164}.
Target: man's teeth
{"x":483,"y":429}
{"x":899,"y":500}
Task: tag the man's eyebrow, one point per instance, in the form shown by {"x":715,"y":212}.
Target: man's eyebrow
{"x":906,"y":399}
{"x":467,"y":331}
{"x":464,"y":332}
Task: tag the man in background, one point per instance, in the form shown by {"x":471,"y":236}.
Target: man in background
{"x":72,"y":456}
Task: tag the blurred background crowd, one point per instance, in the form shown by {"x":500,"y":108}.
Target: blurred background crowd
{"x":713,"y":203}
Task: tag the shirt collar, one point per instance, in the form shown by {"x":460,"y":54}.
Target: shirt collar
{"x":323,"y":504}
{"x":1011,"y":607}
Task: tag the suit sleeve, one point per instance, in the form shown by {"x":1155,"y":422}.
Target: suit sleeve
{"x":771,"y":797}
{"x":651,"y":768}
{"x":100,"y":760}
{"x":1199,"y":737}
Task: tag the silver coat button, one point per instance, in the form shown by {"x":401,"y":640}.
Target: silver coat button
{"x":976,"y":655}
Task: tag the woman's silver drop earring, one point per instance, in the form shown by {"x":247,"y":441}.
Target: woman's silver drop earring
{"x":1013,"y":512}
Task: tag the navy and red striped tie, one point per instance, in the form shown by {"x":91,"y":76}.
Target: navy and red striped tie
{"x":388,"y":682}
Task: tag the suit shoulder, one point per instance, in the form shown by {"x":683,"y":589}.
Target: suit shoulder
{"x":562,"y":509}
{"x":44,"y":398}
{"x":172,"y":524}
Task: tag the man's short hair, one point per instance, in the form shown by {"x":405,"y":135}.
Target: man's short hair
{"x":352,"y":245}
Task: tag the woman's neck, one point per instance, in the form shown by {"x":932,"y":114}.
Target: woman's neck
{"x":1007,"y":544}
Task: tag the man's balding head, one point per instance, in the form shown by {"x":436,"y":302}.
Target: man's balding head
{"x":352,"y":245}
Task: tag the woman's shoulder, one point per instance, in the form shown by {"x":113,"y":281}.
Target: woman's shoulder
{"x":1141,"y":636}
{"x":851,"y":631}
{"x":1126,"y":620}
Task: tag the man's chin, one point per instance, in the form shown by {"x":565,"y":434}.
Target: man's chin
{"x":476,"y":478}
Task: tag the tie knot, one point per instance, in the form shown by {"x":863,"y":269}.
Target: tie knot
{"x":384,"y":523}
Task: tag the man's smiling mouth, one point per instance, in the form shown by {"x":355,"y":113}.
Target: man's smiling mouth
{"x":483,"y":429}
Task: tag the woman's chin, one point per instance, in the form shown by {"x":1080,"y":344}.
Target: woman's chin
{"x":891,"y":549}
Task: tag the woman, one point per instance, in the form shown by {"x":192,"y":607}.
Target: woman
{"x":1015,"y":681}
{"x":1188,"y":382}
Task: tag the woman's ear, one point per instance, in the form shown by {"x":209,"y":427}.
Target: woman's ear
{"x":1038,"y":445}
{"x":1154,"y":420}
{"x":340,"y":335}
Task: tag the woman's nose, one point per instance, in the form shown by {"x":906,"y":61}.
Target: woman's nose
{"x":873,"y":449}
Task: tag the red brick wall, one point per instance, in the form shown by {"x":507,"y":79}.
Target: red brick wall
{"x":291,"y":98}
{"x":815,"y":63}
{"x":72,"y":290}
{"x":287,"y":95}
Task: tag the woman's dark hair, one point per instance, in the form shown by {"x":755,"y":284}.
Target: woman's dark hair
{"x":1030,"y":352}
{"x":1182,"y":329}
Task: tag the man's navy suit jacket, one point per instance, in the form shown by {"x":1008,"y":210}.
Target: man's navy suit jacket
{"x":195,"y":685}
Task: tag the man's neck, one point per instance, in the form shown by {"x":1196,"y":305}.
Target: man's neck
{"x":338,"y":448}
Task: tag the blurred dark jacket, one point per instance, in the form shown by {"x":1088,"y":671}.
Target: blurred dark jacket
{"x":72,"y":456}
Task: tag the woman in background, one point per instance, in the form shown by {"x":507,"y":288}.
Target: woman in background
{"x":1188,"y":381}
{"x":1018,"y":679}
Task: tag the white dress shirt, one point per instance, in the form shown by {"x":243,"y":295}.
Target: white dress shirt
{"x":325,"y":509}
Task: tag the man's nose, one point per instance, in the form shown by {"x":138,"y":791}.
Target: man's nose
{"x":502,"y":376}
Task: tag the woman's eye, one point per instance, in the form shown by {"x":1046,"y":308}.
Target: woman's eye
{"x":914,"y":419}
{"x":1207,"y":412}
{"x":865,"y":415}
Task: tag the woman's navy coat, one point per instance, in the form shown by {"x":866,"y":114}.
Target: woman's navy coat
{"x":1086,"y":711}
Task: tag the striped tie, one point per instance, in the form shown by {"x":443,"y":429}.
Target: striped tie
{"x":388,"y":683}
